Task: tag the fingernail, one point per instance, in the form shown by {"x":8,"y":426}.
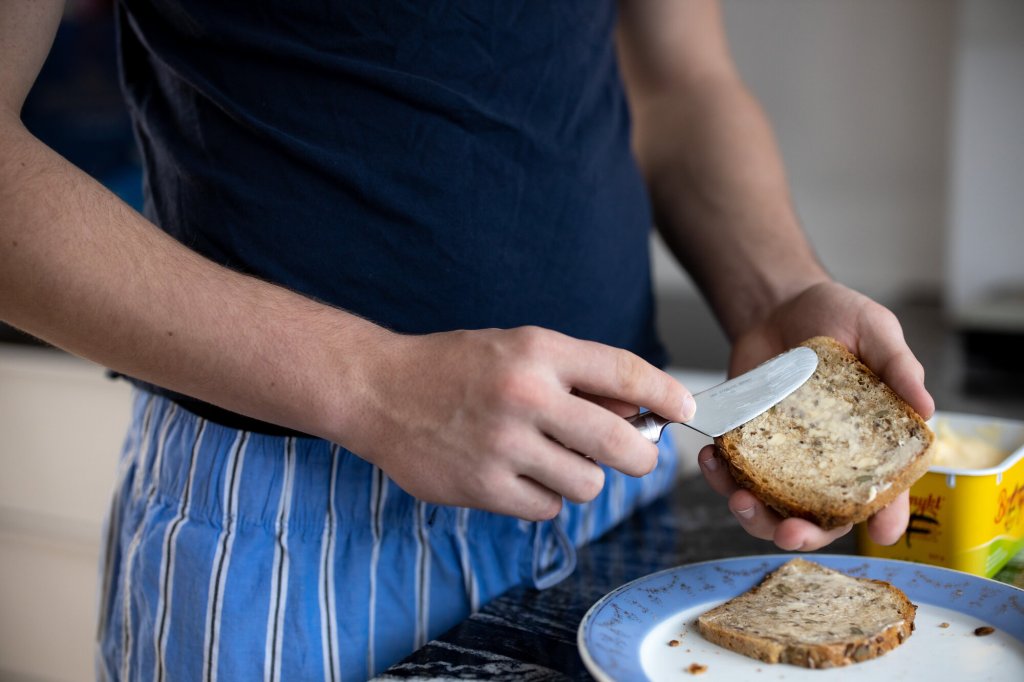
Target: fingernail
{"x":689,"y":407}
{"x":747,"y":513}
{"x":710,"y":463}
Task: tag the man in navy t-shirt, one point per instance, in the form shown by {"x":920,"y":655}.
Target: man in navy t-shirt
{"x":390,"y":300}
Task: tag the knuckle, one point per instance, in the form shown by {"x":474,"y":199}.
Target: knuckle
{"x":550,"y":508}
{"x":628,"y":372}
{"x":531,"y":342}
{"x":517,"y":389}
{"x":500,"y":443}
{"x":672,"y":392}
{"x":544,"y":509}
{"x":622,"y":444}
{"x":620,"y":437}
{"x":592,"y":485}
{"x":919,"y":370}
{"x":478,"y":483}
{"x":587,"y":486}
{"x":885,"y":320}
{"x":647,"y":459}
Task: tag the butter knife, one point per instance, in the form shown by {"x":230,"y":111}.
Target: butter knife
{"x":723,"y":407}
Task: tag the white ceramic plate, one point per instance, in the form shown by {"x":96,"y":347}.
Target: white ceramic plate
{"x":625,"y":635}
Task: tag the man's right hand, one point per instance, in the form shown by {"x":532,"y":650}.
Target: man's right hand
{"x":509,"y":421}
{"x":499,"y":420}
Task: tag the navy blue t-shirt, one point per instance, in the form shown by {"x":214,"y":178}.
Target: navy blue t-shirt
{"x":427,"y":165}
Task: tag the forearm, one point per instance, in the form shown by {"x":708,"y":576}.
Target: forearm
{"x":721,"y":199}
{"x":82,"y":270}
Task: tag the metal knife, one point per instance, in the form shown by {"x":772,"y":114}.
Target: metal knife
{"x":723,"y":407}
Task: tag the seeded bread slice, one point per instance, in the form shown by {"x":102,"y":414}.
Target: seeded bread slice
{"x":836,"y":450}
{"x":809,"y":615}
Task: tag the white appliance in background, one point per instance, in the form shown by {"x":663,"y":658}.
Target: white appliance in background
{"x":985,"y":246}
{"x":62,"y":423}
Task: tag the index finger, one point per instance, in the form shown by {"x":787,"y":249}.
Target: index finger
{"x":623,"y":376}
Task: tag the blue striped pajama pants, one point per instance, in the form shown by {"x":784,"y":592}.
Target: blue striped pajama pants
{"x":240,"y":556}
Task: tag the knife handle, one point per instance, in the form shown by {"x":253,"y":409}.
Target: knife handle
{"x":649,"y":425}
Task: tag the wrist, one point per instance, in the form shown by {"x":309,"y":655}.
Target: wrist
{"x":349,"y":378}
{"x":765,"y":292}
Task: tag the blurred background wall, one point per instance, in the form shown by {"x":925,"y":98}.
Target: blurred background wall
{"x":858,"y":93}
{"x":901,"y":125}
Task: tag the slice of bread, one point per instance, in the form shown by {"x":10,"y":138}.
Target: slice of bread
{"x":808,"y":615}
{"x":836,"y":450}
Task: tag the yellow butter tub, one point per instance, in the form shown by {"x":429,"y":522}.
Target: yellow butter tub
{"x":967,"y":511}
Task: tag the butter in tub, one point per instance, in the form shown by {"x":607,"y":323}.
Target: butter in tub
{"x":967,"y":511}
{"x":961,"y":450}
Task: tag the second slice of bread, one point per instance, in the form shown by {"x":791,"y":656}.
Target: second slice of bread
{"x":809,"y":615}
{"x":836,"y":450}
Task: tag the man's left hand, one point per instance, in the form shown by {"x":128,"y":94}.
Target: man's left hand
{"x":873,"y":334}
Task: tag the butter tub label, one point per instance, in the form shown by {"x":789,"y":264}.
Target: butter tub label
{"x":969,"y":523}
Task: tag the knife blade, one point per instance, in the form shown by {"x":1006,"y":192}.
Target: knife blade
{"x":723,"y":407}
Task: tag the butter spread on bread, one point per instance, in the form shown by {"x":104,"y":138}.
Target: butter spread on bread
{"x":809,"y":615}
{"x":836,"y":450}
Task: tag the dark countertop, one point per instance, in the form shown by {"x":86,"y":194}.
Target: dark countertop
{"x":530,"y":635}
{"x":527,"y":634}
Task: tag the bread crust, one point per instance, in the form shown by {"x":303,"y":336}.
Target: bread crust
{"x":841,"y":652}
{"x":826,"y":511}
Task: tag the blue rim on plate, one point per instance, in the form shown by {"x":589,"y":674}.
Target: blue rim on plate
{"x":610,"y":630}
